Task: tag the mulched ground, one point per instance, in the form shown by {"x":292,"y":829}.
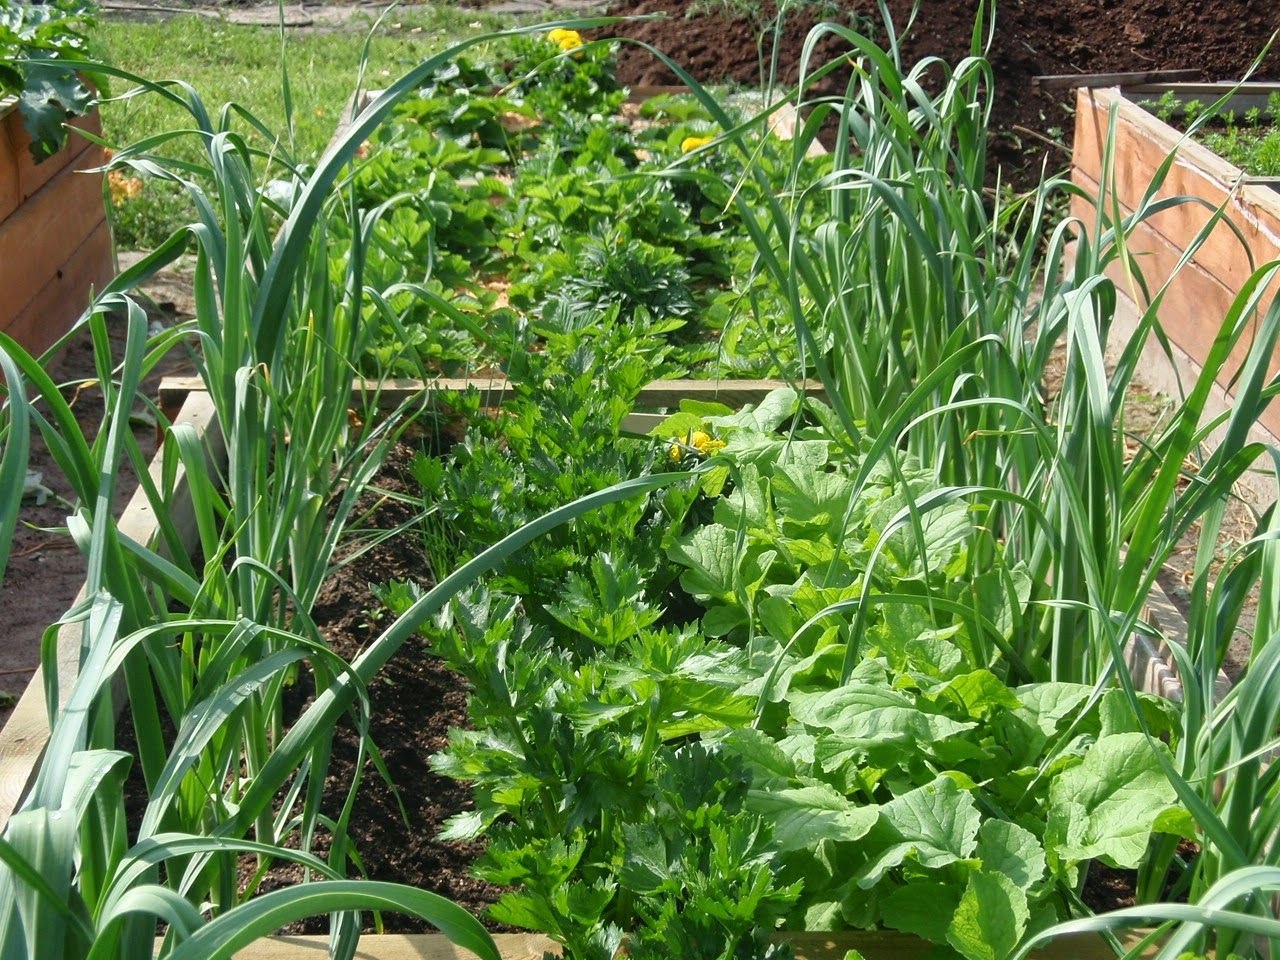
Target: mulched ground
{"x":1031,"y":39}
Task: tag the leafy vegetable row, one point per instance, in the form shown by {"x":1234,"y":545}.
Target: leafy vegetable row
{"x":503,"y":185}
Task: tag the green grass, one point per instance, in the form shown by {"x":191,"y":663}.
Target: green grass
{"x":227,"y":62}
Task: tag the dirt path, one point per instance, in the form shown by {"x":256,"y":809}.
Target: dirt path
{"x":46,"y":570}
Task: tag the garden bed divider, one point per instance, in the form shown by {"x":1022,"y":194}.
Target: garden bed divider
{"x":494,"y":391}
{"x":1199,"y":296}
{"x":55,"y":243}
{"x":872,"y":944}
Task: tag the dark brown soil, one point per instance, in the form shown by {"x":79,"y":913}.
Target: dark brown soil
{"x":1108,"y":888}
{"x":1031,"y":39}
{"x":415,"y":701}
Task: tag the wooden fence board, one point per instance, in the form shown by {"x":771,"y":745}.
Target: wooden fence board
{"x":49,"y":225}
{"x":1072,"y":81}
{"x":1194,"y":306}
{"x":1143,"y":142}
{"x":66,"y":295}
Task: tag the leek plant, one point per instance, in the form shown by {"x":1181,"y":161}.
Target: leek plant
{"x":277,"y":335}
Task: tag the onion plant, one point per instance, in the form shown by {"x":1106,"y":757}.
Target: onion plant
{"x":934,"y":311}
{"x":277,"y":336}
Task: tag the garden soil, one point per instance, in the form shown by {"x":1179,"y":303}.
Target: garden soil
{"x":45,"y":569}
{"x":1032,"y":38}
{"x":414,"y":702}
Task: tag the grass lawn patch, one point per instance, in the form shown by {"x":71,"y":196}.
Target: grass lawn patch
{"x":226,"y":62}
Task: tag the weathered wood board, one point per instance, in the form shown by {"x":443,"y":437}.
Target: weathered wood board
{"x":55,"y":245}
{"x":873,"y":945}
{"x":1247,"y":236}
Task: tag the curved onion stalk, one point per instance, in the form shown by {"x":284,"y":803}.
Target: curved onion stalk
{"x":1190,"y":921}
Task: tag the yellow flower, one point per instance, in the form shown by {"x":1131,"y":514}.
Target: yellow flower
{"x":698,"y":441}
{"x":690,"y":144}
{"x":704,"y":443}
{"x":122,"y":187}
{"x":566,"y":40}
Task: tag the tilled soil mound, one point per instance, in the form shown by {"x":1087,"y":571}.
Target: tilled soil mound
{"x":1032,"y":38}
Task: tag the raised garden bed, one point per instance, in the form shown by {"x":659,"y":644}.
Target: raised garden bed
{"x":1201,"y":293}
{"x":789,"y":665}
{"x":23,"y":739}
{"x":55,"y":245}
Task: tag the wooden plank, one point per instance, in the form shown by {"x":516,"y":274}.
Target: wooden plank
{"x":872,"y":944}
{"x":66,"y":296}
{"x":77,"y":153}
{"x":43,"y":231}
{"x":1071,"y":81}
{"x":1241,"y":96}
{"x":21,"y":176}
{"x":495,"y":390}
{"x":647,"y":91}
{"x":23,"y":739}
{"x":1195,"y":304}
{"x":786,"y":122}
{"x":424,"y":946}
{"x":1143,"y":141}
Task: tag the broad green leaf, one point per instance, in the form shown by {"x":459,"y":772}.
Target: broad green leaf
{"x":912,"y":641}
{"x":806,"y":498}
{"x":705,"y":408}
{"x":840,"y":709}
{"x":935,"y":825}
{"x":760,"y":752}
{"x":677,"y":426}
{"x":923,"y":908}
{"x":1048,"y":704}
{"x":747,"y":503}
{"x":864,"y":716}
{"x":771,"y":413}
{"x":52,"y":94}
{"x":824,"y":915}
{"x":1108,"y":805}
{"x":805,"y":816}
{"x":711,"y":555}
{"x":991,"y":918}
{"x":1012,"y":851}
{"x":981,"y":691}
{"x":876,"y":730}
